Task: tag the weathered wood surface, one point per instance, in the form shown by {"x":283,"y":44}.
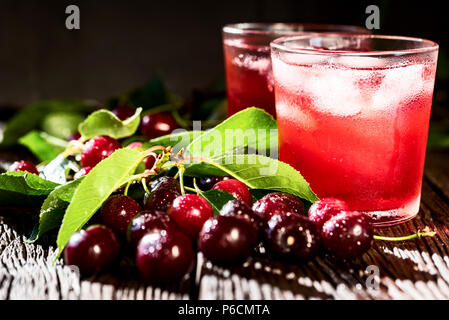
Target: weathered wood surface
{"x":417,"y":269}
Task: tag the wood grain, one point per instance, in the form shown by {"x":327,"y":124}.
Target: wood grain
{"x":417,"y":269}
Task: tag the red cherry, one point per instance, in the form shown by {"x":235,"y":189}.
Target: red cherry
{"x":348,"y":234}
{"x":227,"y":239}
{"x":135,"y":145}
{"x":208,"y":182}
{"x":292,"y":237}
{"x":157,"y":124}
{"x":24,"y":166}
{"x":124,"y":112}
{"x":238,"y":189}
{"x":92,"y":250}
{"x":324,"y":209}
{"x":190,"y":211}
{"x":148,"y":222}
{"x":118,"y":211}
{"x":97,"y":149}
{"x":164,"y":256}
{"x":277,"y":203}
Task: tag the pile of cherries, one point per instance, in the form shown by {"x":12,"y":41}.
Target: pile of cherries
{"x":163,"y":228}
{"x":164,"y":231}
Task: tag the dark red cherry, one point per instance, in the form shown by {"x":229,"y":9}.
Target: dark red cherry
{"x":24,"y":166}
{"x":324,"y":209}
{"x":277,"y":203}
{"x":124,"y":112}
{"x":97,"y":149}
{"x":157,"y":124}
{"x":227,"y":240}
{"x":190,"y":211}
{"x":159,"y":200}
{"x":149,"y":162}
{"x":148,"y":222}
{"x":208,"y":182}
{"x":92,"y":250}
{"x":167,"y":183}
{"x":348,"y":234}
{"x":164,"y":256}
{"x":292,"y":236}
{"x":241,"y":210}
{"x":74,"y":136}
{"x":118,"y":211}
{"x":238,"y":189}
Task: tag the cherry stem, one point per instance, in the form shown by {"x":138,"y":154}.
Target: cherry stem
{"x":144,"y":185}
{"x":425,"y":233}
{"x":181,"y":170}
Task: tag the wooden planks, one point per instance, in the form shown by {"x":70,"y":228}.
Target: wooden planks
{"x":416,"y":269}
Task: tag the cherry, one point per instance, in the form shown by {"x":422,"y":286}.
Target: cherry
{"x":24,"y":166}
{"x":124,"y":112}
{"x":82,"y":172}
{"x":227,"y":240}
{"x":160,"y":200}
{"x":167,"y":183}
{"x":324,"y":209}
{"x":74,"y":136}
{"x":238,"y":189}
{"x":292,"y":237}
{"x":134,"y":145}
{"x":149,"y":162}
{"x":277,"y":203}
{"x":118,"y":211}
{"x":97,"y":149}
{"x":348,"y":234}
{"x":148,"y":222}
{"x":241,"y":210}
{"x":164,"y":256}
{"x":190,"y":211}
{"x":157,"y":124}
{"x":92,"y":250}
{"x":208,"y":182}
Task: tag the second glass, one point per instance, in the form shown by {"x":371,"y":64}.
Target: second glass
{"x":249,"y":77}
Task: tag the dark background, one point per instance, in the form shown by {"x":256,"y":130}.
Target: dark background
{"x":121,"y":43}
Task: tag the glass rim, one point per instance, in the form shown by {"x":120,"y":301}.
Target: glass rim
{"x":279,"y":45}
{"x":268,"y":28}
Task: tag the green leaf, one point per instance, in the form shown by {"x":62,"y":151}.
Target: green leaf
{"x":257,"y":172}
{"x":19,"y":186}
{"x":62,"y":124}
{"x":96,"y":187}
{"x":105,"y":123}
{"x":251,"y":127}
{"x":54,"y":207}
{"x":216,"y":198}
{"x":42,"y":145}
{"x":31,"y":117}
{"x":179,"y":139}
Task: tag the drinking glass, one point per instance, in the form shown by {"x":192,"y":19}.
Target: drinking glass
{"x":353,"y":116}
{"x":249,"y":78}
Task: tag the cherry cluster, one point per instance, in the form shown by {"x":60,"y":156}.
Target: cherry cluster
{"x":167,"y":227}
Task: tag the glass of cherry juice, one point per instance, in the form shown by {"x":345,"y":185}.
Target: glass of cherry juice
{"x":249,"y":78}
{"x":353,"y":116}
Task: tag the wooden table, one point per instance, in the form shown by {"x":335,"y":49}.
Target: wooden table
{"x":417,"y":269}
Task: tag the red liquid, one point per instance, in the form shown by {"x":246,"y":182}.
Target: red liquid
{"x":249,"y":78}
{"x":357,"y":135}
